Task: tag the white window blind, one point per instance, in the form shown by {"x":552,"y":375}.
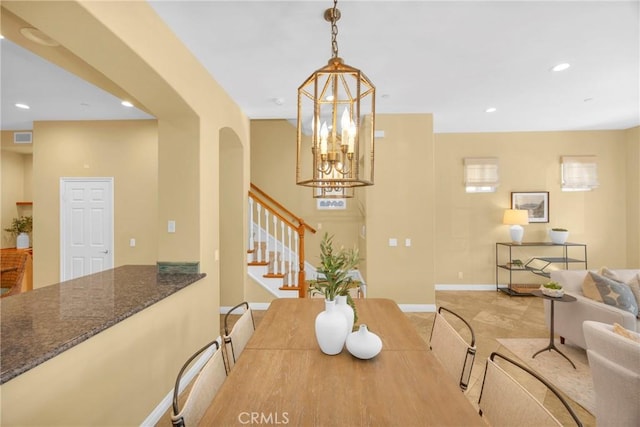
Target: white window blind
{"x":579,"y":173}
{"x":481,"y":174}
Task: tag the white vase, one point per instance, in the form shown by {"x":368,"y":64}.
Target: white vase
{"x":363,"y":344}
{"x":343,"y":307}
{"x":22,"y":241}
{"x":331,"y":329}
{"x":558,"y":237}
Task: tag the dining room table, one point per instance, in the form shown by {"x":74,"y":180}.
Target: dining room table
{"x":282,"y":377}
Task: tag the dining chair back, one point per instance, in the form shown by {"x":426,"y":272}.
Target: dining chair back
{"x":236,"y":337}
{"x":451,"y":349}
{"x":203,"y":389}
{"x":13,"y":267}
{"x":504,"y":401}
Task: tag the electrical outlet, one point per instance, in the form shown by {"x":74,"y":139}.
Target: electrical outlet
{"x":171,"y":226}
{"x":393,"y":242}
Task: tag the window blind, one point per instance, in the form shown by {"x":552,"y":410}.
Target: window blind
{"x":579,"y":173}
{"x":481,"y":174}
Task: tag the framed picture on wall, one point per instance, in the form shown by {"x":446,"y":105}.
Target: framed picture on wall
{"x":536,"y":202}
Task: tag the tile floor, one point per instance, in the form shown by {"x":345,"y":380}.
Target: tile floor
{"x":492,"y":315}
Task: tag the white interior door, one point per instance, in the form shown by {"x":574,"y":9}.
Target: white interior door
{"x":86,"y":226}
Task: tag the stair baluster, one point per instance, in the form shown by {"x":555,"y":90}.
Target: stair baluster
{"x":274,"y":248}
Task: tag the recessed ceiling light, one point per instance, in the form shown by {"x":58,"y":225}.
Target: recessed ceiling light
{"x":491,"y":110}
{"x":23,"y":106}
{"x":278,"y":101}
{"x":561,"y":67}
{"x":127,"y":104}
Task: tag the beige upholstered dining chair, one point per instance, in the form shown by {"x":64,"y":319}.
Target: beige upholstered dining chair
{"x":504,"y":401}
{"x":236,"y":338}
{"x":203,"y":389}
{"x":451,"y":349}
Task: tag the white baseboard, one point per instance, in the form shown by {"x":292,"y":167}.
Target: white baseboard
{"x":465,"y":287}
{"x":417,"y":308}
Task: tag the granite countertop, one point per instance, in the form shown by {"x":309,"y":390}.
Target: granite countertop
{"x":40,"y":324}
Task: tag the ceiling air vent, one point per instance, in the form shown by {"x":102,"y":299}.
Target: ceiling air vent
{"x":22,"y":138}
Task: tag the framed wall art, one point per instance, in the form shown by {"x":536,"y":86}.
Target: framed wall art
{"x":536,"y":202}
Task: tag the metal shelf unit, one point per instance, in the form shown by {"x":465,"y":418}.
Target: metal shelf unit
{"x":538,"y":265}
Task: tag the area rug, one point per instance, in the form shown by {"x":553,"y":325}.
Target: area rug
{"x":575,"y":383}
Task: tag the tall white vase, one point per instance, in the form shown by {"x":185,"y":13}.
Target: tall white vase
{"x":343,"y":307}
{"x":22,"y":241}
{"x":331,"y":329}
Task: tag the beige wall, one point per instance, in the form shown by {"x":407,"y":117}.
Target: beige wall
{"x":15,"y":182}
{"x":468,"y":225}
{"x":401,"y":205}
{"x":273,"y":163}
{"x":124,"y":150}
{"x":191,"y":109}
{"x":12,"y":191}
{"x":633,"y":197}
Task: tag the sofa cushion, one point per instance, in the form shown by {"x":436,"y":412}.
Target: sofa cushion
{"x":609,"y":291}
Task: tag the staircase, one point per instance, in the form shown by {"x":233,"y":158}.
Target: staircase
{"x":276,"y":246}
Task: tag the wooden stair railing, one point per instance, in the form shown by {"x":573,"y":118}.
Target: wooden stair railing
{"x":276,"y":240}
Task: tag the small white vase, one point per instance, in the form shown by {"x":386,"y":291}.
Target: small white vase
{"x":331,"y":329}
{"x":22,"y":241}
{"x":363,"y":344}
{"x":558,"y":237}
{"x":343,"y":307}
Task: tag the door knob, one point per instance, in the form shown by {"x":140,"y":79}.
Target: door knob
{"x":105,"y":251}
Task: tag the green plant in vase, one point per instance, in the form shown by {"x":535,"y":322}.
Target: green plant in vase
{"x":333,"y":272}
{"x":23,"y":224}
{"x":20,"y":229}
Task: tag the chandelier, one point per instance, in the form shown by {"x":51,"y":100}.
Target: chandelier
{"x":336,"y":123}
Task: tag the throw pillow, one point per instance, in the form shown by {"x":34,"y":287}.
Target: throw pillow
{"x":633,"y":283}
{"x":610,"y":292}
{"x":620,"y":330}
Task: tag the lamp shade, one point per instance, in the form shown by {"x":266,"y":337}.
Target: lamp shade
{"x":515,"y":217}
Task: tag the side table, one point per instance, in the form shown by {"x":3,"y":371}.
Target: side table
{"x":552,"y":346}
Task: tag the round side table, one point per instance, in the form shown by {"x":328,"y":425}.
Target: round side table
{"x":552,"y":345}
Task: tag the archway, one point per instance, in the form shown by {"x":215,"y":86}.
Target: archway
{"x":233,"y":199}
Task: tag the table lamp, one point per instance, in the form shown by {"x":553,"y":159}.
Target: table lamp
{"x":516,"y":218}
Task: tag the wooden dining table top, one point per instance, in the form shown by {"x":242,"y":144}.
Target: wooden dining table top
{"x":283,"y":378}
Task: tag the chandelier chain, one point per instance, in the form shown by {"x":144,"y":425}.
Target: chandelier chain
{"x":334,"y":30}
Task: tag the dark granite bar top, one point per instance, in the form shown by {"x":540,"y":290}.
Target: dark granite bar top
{"x":40,"y":324}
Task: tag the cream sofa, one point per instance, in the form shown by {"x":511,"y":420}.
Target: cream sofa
{"x":569,"y":316}
{"x":615,"y":367}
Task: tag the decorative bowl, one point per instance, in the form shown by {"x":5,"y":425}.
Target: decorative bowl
{"x":555,"y":293}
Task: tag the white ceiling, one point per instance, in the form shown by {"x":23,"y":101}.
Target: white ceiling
{"x":451,"y":58}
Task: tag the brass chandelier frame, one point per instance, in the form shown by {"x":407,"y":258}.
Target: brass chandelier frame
{"x":340,"y":131}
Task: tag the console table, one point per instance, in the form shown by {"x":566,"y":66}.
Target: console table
{"x":564,"y":255}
